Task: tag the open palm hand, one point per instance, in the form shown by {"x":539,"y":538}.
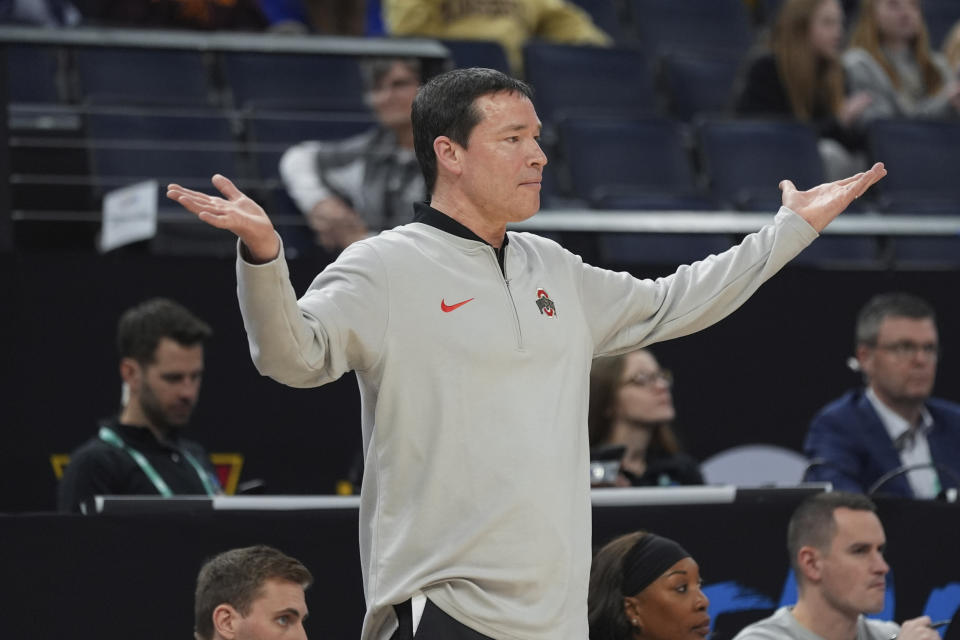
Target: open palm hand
{"x":821,"y":204}
{"x":234,"y":212}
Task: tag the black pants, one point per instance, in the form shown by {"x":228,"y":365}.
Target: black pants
{"x":435,"y":624}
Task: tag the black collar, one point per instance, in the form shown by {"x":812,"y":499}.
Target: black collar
{"x":423,"y":212}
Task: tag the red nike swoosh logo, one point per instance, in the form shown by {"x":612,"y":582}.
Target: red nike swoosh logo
{"x":447,"y":308}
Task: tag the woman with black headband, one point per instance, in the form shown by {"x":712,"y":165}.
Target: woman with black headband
{"x":646,"y":587}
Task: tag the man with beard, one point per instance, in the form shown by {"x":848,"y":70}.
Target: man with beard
{"x":836,"y":545}
{"x":140,"y":452}
{"x":893,"y":423}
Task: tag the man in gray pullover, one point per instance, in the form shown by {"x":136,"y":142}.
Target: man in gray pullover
{"x":472,"y":349}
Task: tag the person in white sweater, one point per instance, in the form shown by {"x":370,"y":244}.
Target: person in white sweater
{"x":836,"y":545}
{"x":472,"y":349}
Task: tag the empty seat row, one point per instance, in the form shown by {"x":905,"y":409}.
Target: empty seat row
{"x":654,"y":163}
{"x":109,"y":75}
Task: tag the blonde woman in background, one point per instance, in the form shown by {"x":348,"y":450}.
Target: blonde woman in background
{"x":890,"y":58}
{"x":799,"y":75}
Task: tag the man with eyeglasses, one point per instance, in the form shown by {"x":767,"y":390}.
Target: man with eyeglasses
{"x":890,"y":437}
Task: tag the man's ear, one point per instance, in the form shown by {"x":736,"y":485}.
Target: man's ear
{"x":226,"y":622}
{"x":449,"y":155}
{"x":808,"y":562}
{"x":130,"y":371}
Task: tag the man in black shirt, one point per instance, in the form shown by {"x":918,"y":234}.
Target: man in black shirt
{"x":140,"y":452}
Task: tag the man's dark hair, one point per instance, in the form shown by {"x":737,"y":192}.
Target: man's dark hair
{"x":445,"y":106}
{"x":884,"y":305}
{"x":373,"y":70}
{"x":236,"y":577}
{"x":141,"y":328}
{"x":813,"y":525}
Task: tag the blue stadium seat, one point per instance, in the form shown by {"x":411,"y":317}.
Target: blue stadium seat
{"x":115,"y":164}
{"x":32,"y":74}
{"x":574,"y":81}
{"x":940,"y":16}
{"x":477,"y":53}
{"x":152,"y":77}
{"x":290,"y":127}
{"x":136,"y":124}
{"x":933,"y":252}
{"x":605,"y":15}
{"x":291,"y":81}
{"x":745,"y":160}
{"x":921,"y":157}
{"x":636,"y":163}
{"x":698,"y":84}
{"x":667,"y":26}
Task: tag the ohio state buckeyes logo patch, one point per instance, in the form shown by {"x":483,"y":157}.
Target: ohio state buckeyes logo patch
{"x":545,"y":304}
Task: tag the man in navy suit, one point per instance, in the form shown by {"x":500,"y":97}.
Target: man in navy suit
{"x":893,"y":422}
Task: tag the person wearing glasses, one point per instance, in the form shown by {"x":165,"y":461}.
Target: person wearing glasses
{"x":631,"y":406}
{"x":860,"y":441}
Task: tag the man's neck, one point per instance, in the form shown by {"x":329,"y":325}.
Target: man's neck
{"x":909,"y":410}
{"x":133,"y":416}
{"x":468,"y":216}
{"x":816,"y":615}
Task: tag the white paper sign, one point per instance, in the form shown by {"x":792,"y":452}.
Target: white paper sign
{"x":129,"y":215}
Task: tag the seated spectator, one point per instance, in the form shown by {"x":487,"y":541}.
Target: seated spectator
{"x":253,"y":593}
{"x":836,"y":544}
{"x":645,"y":587}
{"x":511,"y":24}
{"x":141,"y":451}
{"x":890,"y":58}
{"x":800,"y":76}
{"x":350,"y":188}
{"x":631,"y":405}
{"x":894,"y":422}
{"x":951,"y":50}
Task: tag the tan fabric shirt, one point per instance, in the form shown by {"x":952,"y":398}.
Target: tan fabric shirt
{"x":509,"y":22}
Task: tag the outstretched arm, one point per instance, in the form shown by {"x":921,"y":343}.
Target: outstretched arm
{"x":820,"y":205}
{"x":234,"y":212}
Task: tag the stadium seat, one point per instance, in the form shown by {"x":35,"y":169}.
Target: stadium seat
{"x":477,"y":53}
{"x":745,"y":160}
{"x":629,"y":161}
{"x":698,"y":84}
{"x":137,"y":124}
{"x":290,"y":81}
{"x":921,"y":157}
{"x":154,"y":77}
{"x":604,"y":14}
{"x":32,"y":74}
{"x":574,"y":81}
{"x":668,"y":26}
{"x":940,"y":16}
